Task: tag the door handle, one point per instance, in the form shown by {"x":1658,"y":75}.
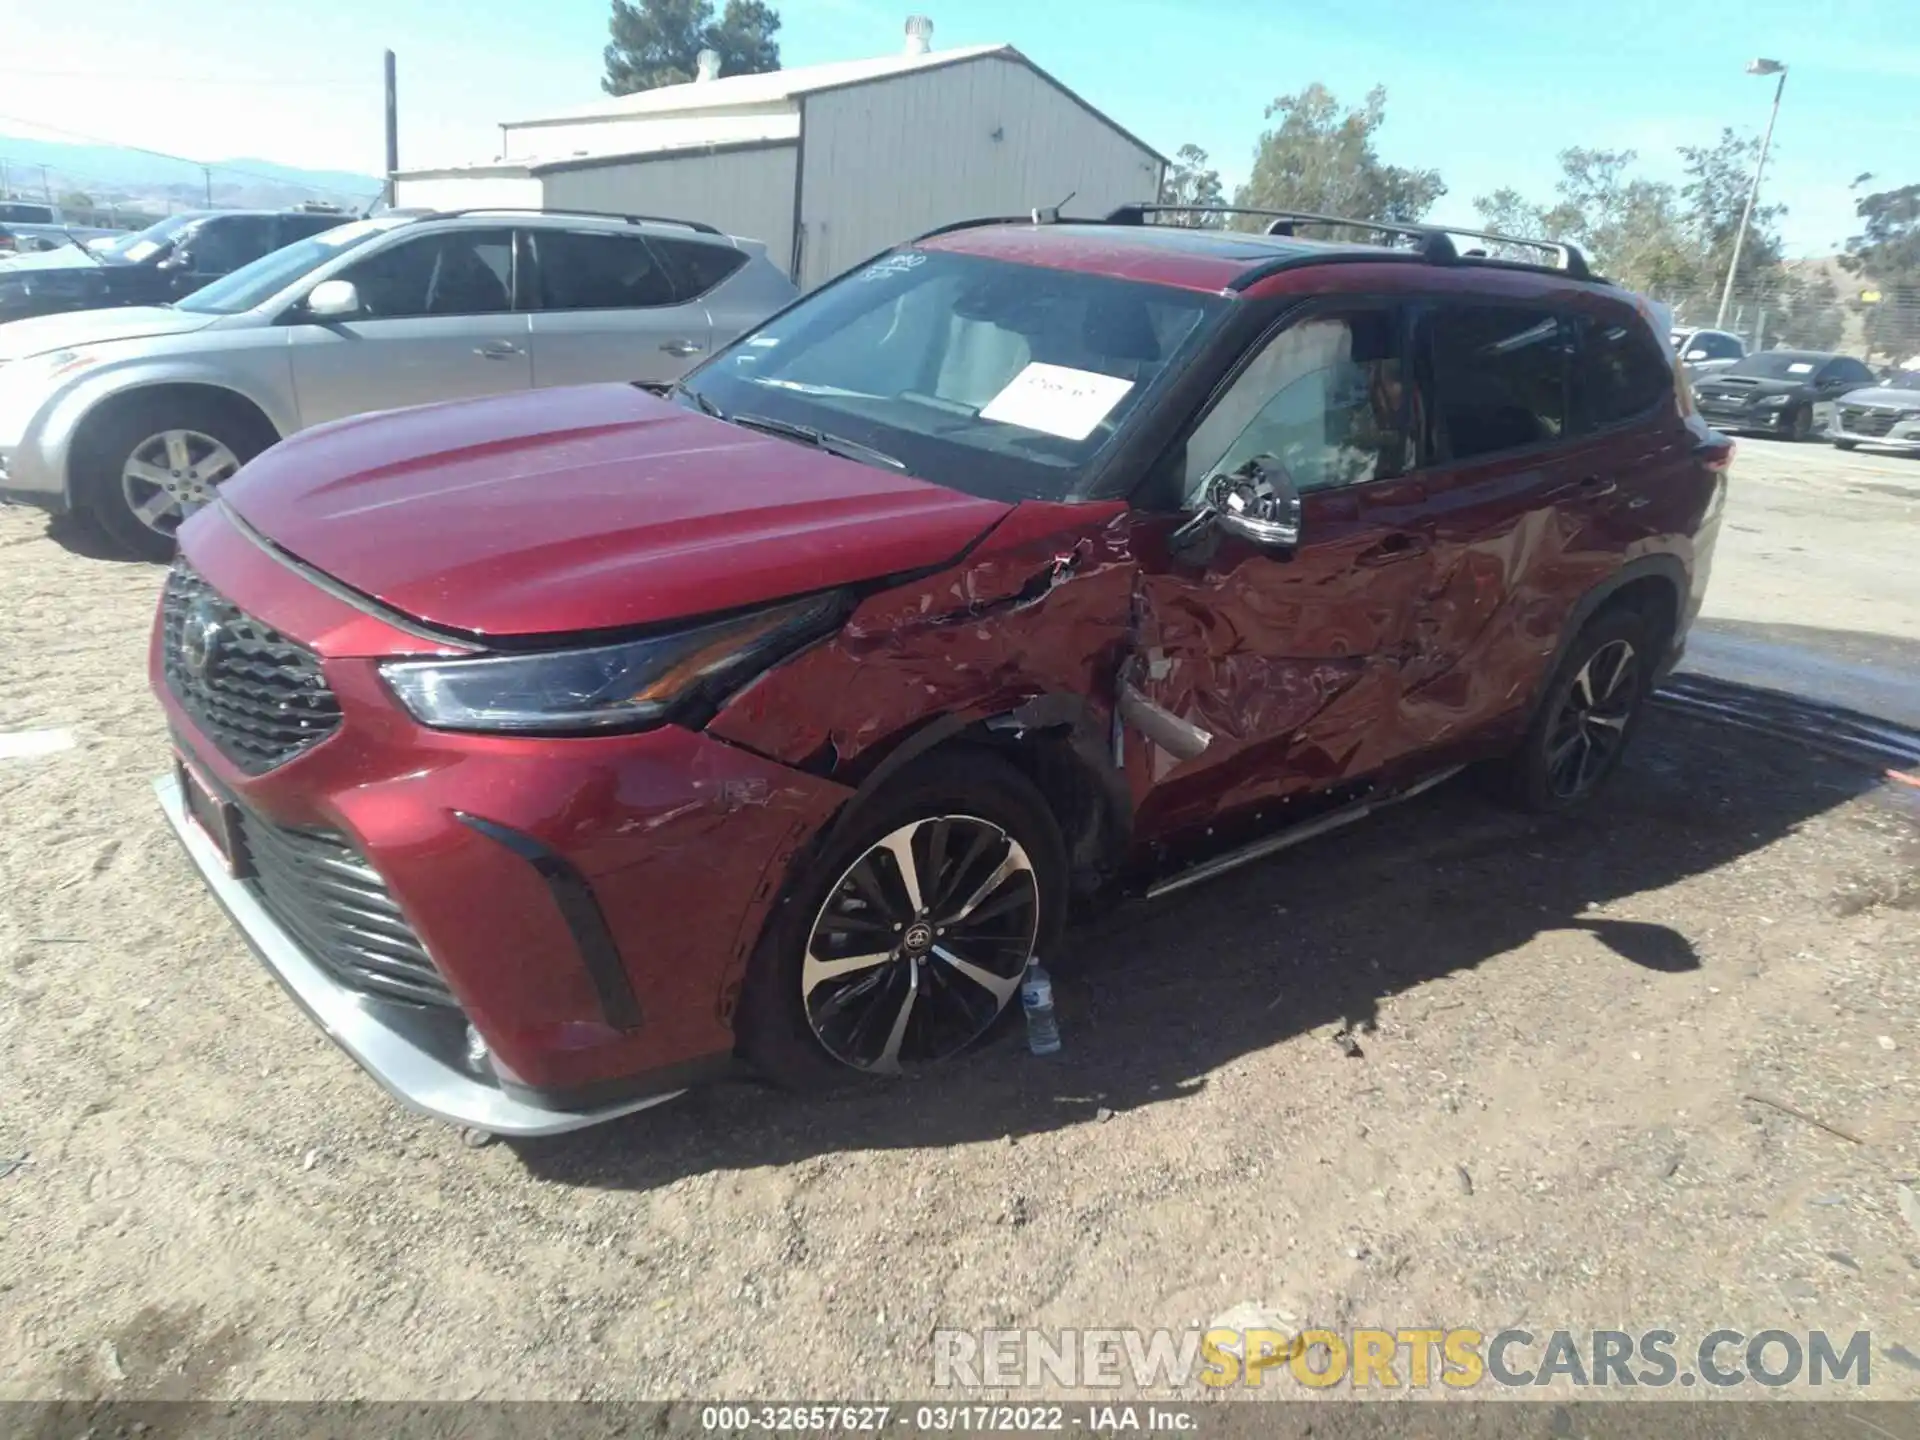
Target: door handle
{"x":1594,"y":487}
{"x":497,"y":350}
{"x":1400,"y":545}
{"x":682,"y":348}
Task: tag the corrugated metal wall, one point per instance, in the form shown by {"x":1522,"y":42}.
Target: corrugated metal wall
{"x":744,"y":192}
{"x":553,"y":141}
{"x":468,"y":192}
{"x":892,"y":158}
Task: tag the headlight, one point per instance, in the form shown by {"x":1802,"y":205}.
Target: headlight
{"x":628,"y":686}
{"x":1775,"y":402}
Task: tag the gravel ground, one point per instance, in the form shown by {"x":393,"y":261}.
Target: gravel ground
{"x":1546,"y":1125}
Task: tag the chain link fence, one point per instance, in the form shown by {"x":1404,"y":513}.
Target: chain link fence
{"x":1883,"y":333}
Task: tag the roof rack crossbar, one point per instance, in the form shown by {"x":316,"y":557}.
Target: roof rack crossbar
{"x":699,"y":226}
{"x":1435,"y":241}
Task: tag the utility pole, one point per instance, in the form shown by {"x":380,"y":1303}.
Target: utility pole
{"x":6,"y":187}
{"x":393,"y":126}
{"x":46,"y":185}
{"x":206,"y":174}
{"x":1754,"y":67}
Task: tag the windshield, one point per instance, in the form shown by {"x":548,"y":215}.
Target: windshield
{"x":1902,"y":380}
{"x":266,"y":277}
{"x":1000,"y":380}
{"x":141,"y":245}
{"x":1778,"y":365}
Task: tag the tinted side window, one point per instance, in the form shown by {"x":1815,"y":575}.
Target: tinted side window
{"x":1502,"y":378}
{"x":1722,"y":347}
{"x":299,"y":227}
{"x":1854,"y":373}
{"x":227,"y":242}
{"x":694,"y":266}
{"x":1621,"y":372}
{"x":463,"y":272}
{"x":588,"y":270}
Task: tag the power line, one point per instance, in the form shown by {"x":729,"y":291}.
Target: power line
{"x":149,"y":78}
{"x":204,"y":165}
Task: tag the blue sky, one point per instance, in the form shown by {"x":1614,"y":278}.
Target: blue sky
{"x":1487,"y":91}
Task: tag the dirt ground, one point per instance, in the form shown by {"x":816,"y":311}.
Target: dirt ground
{"x":1547,"y":1125}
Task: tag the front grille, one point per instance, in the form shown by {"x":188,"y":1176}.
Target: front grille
{"x":336,"y":907}
{"x":1858,"y":421}
{"x":258,"y":696}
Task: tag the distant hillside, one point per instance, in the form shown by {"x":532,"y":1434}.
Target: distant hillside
{"x":135,"y":180}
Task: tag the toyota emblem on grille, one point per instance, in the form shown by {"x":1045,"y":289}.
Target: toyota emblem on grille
{"x":200,"y":635}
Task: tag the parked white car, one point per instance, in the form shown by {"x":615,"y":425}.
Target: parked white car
{"x":1706,"y":352}
{"x":136,"y":415}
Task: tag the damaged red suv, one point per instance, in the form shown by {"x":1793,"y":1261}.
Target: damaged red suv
{"x":557,"y":751}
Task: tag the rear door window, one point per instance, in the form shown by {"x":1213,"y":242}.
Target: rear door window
{"x":695,"y":266}
{"x":1621,"y":372}
{"x":593,"y":270}
{"x":1501,"y":374}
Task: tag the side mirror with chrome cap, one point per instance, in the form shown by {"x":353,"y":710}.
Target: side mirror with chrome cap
{"x":333,"y":300}
{"x":1258,"y":502}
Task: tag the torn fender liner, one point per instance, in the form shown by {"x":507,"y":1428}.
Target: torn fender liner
{"x":1180,"y":738}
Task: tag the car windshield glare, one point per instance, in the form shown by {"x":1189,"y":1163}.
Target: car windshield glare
{"x":266,"y":277}
{"x":1903,"y":380}
{"x":1001,"y":380}
{"x":141,"y":245}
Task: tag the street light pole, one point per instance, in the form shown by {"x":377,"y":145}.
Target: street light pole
{"x":1754,"y":67}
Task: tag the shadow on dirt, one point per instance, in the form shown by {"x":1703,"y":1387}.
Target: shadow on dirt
{"x":1155,"y":997}
{"x":78,"y":535}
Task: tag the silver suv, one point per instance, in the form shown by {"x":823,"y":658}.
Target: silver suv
{"x":135,"y":415}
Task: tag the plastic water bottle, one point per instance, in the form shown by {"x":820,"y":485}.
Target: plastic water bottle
{"x":1036,"y":999}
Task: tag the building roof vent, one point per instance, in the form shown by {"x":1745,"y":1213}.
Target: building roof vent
{"x":706,"y":65}
{"x":919,"y":35}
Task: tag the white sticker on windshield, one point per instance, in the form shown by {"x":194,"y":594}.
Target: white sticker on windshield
{"x":1057,"y":400}
{"x":1799,"y":367}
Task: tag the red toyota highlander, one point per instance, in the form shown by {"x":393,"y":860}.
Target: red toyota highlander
{"x":557,"y":751}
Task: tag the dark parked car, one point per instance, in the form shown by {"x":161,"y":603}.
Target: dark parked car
{"x":154,"y":266}
{"x":554,"y":750}
{"x":1790,"y":393}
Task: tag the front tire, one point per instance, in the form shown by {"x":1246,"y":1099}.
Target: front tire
{"x":1801,"y":426}
{"x":141,"y":469}
{"x":1845,"y":444}
{"x":1587,"y":717}
{"x":904,"y":940}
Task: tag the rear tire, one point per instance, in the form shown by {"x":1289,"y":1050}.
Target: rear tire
{"x":841,"y":989}
{"x":150,"y":461}
{"x":1587,"y":717}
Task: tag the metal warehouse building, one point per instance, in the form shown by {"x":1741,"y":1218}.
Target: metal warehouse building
{"x":826,"y":164}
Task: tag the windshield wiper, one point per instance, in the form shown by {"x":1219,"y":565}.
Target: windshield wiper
{"x":680,"y":387}
{"x":820,"y":440}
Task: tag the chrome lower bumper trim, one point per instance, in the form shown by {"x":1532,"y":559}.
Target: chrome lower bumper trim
{"x":416,"y":1078}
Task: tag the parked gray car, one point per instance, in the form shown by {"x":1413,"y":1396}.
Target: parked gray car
{"x":1886,"y":414}
{"x":135,"y":415}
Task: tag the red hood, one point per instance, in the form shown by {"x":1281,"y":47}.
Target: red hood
{"x":587,"y":509}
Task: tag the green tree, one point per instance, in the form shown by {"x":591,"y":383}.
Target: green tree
{"x":1886,"y":253}
{"x":1719,"y":179}
{"x":1805,"y":314}
{"x":1321,"y":158}
{"x":1191,"y":181}
{"x":76,"y":201}
{"x":657,"y":42}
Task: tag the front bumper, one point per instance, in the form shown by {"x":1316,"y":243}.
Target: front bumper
{"x":1749,"y":420}
{"x":587,"y":905}
{"x":412,"y":1073}
{"x":1904,"y":436}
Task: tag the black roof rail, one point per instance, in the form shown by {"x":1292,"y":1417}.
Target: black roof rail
{"x":1435,"y":241}
{"x":981,"y":221}
{"x":700,"y":226}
